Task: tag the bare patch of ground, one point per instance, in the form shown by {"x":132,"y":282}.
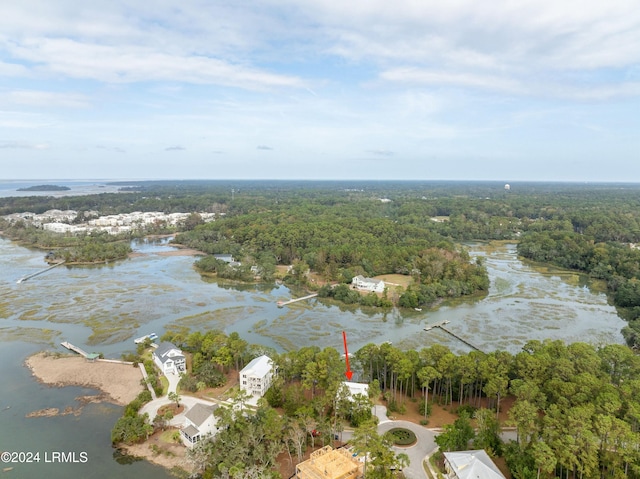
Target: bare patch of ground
{"x":401,"y":280}
{"x":163,"y":450}
{"x":120,"y":383}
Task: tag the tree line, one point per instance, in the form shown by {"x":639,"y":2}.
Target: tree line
{"x":575,"y":408}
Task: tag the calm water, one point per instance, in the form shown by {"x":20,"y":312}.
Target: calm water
{"x":77,"y":187}
{"x":104,"y":308}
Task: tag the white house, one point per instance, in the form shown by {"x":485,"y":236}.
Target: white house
{"x":368,"y":284}
{"x":199,"y":422}
{"x":356,"y":388}
{"x":169,"y":359}
{"x":470,"y":465}
{"x":256,"y":376}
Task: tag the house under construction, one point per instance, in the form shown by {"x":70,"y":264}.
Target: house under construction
{"x":329,"y":463}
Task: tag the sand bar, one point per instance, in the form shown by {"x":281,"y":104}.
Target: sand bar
{"x":119,"y":382}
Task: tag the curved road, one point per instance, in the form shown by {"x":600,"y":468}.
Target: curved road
{"x":425,"y":444}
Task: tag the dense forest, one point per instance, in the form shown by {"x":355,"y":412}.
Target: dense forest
{"x":341,"y":229}
{"x":575,"y":408}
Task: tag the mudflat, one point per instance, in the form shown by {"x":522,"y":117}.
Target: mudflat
{"x":119,"y":382}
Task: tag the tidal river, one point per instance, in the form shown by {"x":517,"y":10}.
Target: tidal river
{"x":103,"y":308}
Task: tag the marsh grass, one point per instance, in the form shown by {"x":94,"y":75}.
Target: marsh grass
{"x":32,"y":335}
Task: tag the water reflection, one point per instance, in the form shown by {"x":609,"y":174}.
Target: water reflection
{"x":105,"y":307}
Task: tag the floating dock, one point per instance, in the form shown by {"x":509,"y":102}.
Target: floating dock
{"x":284,"y":303}
{"x":29,"y":276}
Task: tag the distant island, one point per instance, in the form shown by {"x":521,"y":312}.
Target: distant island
{"x":45,"y":188}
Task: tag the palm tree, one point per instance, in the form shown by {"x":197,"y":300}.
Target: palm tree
{"x":402,"y":460}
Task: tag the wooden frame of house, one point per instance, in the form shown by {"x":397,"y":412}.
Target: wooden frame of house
{"x":329,"y":463}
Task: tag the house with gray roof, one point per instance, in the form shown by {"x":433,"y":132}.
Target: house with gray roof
{"x":256,"y":376}
{"x":368,"y":284}
{"x":199,"y":423}
{"x":169,"y":358}
{"x":471,"y":465}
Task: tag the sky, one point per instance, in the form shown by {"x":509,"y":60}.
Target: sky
{"x":507,"y":90}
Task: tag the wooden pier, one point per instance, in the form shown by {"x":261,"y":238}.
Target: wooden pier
{"x":436,"y":325}
{"x":81,"y":352}
{"x":441,"y":326}
{"x":24,"y":278}
{"x":284,"y":303}
{"x":460,"y":339}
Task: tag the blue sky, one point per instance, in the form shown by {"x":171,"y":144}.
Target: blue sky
{"x":321,"y":89}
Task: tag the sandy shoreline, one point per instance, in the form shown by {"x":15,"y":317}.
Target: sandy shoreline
{"x":119,"y":382}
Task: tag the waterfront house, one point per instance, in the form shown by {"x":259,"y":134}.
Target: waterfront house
{"x":470,"y":465}
{"x":356,"y":388}
{"x":368,"y":284}
{"x":199,"y":423}
{"x":169,"y":359}
{"x":256,"y":376}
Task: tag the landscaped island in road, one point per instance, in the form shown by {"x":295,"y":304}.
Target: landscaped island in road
{"x":45,"y":188}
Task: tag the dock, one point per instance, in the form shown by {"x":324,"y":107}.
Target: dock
{"x":436,"y":325}
{"x":284,"y":303}
{"x":29,"y":276}
{"x":460,"y":339}
{"x":81,"y":352}
{"x":441,"y":326}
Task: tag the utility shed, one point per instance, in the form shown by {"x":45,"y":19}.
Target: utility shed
{"x":329,"y":463}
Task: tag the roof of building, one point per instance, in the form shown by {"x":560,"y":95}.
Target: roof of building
{"x":357,"y":388}
{"x":366,"y":280}
{"x":200,"y":413}
{"x":329,"y":463}
{"x":163,"y":349}
{"x":473,"y":465}
{"x":259,"y":367}
{"x":191,"y":431}
{"x":228,"y":258}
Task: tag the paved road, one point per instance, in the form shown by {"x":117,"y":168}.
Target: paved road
{"x":418,"y":451}
{"x":426,"y":443}
{"x":152,"y":407}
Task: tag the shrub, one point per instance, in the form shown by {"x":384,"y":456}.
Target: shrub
{"x":421,"y":408}
{"x":402,"y":436}
{"x":467,"y":409}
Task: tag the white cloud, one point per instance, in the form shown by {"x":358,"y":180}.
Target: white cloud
{"x":47,"y":99}
{"x":128,"y":63}
{"x":23,"y":145}
{"x":418,"y":76}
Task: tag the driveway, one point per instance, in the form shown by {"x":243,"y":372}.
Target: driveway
{"x":173,"y":379}
{"x":152,"y":407}
{"x":425,"y":444}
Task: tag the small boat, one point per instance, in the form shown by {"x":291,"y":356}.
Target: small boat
{"x":142,"y":339}
{"x":418,"y":309}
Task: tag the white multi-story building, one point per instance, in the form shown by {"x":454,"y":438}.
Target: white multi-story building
{"x":256,"y":377}
{"x":368,"y":284}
